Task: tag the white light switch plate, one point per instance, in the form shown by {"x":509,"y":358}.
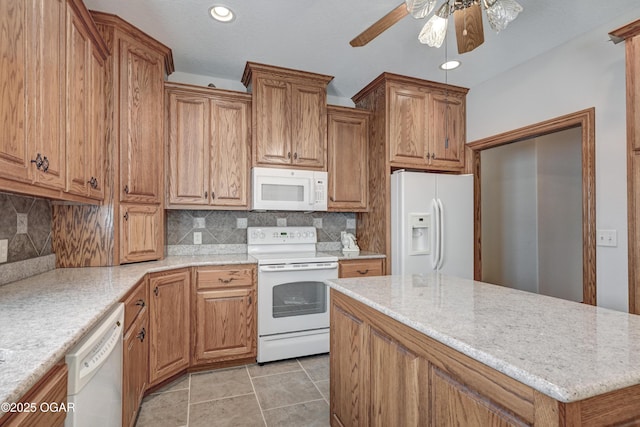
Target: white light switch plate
{"x":4,"y":250}
{"x":607,"y":238}
{"x":197,"y":238}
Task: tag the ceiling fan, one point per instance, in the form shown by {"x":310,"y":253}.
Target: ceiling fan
{"x":467,"y":15}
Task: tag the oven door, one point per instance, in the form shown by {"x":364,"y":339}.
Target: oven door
{"x":293,"y":297}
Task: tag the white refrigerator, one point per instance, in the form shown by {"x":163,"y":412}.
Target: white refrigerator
{"x":431,"y":223}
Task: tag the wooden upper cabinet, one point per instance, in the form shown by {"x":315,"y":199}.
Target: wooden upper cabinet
{"x":408,"y":125}
{"x":348,"y":136}
{"x":44,"y":110}
{"x":208,"y":147}
{"x":141,"y":123}
{"x":449,"y":135}
{"x":289,"y":116}
{"x":142,"y":229}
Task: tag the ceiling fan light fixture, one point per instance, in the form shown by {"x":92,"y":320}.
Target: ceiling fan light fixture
{"x":222,"y":13}
{"x":420,"y":8}
{"x":435,"y":30}
{"x":501,"y":12}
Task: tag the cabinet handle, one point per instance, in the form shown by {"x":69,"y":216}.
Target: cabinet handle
{"x":249,"y":299}
{"x":140,"y":302}
{"x":206,"y":194}
{"x":363,"y":272}
{"x":155,"y":291}
{"x":213,"y":195}
{"x":126,"y":216}
{"x":38,"y":161}
{"x":126,"y":189}
{"x":331,"y":198}
{"x":295,"y":156}
{"x":226,"y":281}
{"x":289,"y":155}
{"x":142,"y":334}
{"x":45,"y":164}
{"x":93,"y":182}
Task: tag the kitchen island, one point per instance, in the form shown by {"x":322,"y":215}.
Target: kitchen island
{"x":438,"y":350}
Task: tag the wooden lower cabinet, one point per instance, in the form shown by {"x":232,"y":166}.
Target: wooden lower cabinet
{"x":135,"y":361}
{"x":169,"y":324}
{"x":361,"y":267}
{"x":384,"y":373}
{"x":50,"y":392}
{"x":224,"y":319}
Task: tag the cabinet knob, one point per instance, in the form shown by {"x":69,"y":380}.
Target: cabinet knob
{"x":206,"y":194}
{"x":93,"y":182}
{"x":126,"y":216}
{"x":331,"y":198}
{"x":213,"y":195}
{"x":433,"y":156}
{"x":45,"y":164}
{"x":142,"y":334}
{"x":295,"y":156}
{"x":289,"y":155}
{"x":126,"y":189}
{"x":140,"y":302}
{"x":38,"y":161}
{"x":155,"y":291}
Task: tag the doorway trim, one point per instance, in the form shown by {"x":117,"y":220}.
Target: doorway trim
{"x":585,"y":120}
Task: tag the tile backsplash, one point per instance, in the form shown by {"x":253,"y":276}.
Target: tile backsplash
{"x":229,"y":228}
{"x":26,"y":223}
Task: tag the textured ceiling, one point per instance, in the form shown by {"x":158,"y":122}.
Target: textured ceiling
{"x":314,"y":35}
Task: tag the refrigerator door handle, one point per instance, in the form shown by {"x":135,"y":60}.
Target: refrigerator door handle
{"x":435,"y":258}
{"x":441,"y":233}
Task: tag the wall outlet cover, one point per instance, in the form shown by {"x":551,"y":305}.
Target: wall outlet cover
{"x":317,"y":222}
{"x":241,"y":223}
{"x":281,"y":222}
{"x":197,"y":238}
{"x":4,"y":250}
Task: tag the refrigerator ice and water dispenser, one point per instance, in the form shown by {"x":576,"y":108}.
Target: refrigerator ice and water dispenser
{"x":420,"y":224}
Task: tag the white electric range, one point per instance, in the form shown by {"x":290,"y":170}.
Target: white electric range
{"x":293,"y":301}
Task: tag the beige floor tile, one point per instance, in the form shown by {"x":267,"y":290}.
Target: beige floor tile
{"x":316,"y":366}
{"x":284,"y":389}
{"x":164,"y":409}
{"x":323,"y":386}
{"x":309,"y":414}
{"x":219,"y":384}
{"x":240,"y":411}
{"x":271,"y":368}
{"x":181,"y":383}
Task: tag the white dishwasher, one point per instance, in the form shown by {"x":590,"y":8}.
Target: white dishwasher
{"x":95,"y":375}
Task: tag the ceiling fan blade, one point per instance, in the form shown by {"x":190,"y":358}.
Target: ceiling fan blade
{"x":380,"y":26}
{"x":469,"y":30}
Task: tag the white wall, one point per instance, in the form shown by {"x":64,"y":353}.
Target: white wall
{"x":509,"y":216}
{"x":586,"y":72}
{"x":559,"y":179}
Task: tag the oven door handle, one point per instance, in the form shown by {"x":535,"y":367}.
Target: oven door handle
{"x":276,"y":269}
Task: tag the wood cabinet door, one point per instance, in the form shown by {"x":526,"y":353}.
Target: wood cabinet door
{"x":97,"y":129}
{"x":230,"y":162}
{"x":168,"y":324}
{"x":309,"y":125}
{"x":188,"y":143}
{"x":141,"y":123}
{"x":447,"y":131}
{"x":225,"y":324}
{"x":348,"y":135}
{"x":141,"y":228}
{"x":46,"y":91}
{"x":135,"y":367}
{"x":15,"y":150}
{"x":272,"y":118}
{"x":347,"y":373}
{"x":78,"y":107}
{"x":408,"y":126}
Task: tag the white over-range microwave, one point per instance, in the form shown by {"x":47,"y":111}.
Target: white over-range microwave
{"x":288,"y":189}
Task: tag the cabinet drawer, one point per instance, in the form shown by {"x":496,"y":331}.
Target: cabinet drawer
{"x":222,"y":277}
{"x":361,"y":268}
{"x":137,"y":300}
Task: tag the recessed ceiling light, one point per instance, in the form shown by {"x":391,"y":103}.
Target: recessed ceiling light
{"x":222,"y":13}
{"x":450,"y":65}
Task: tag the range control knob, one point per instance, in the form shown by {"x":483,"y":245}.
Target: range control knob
{"x":298,"y":234}
{"x":262,"y":235}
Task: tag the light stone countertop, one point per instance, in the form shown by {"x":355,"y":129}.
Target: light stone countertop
{"x":566,"y":350}
{"x":354,"y":255}
{"x":44,"y":316}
